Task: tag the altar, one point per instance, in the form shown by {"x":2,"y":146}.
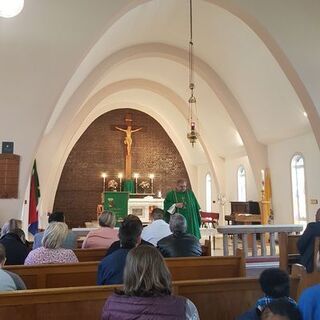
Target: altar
{"x":142,"y":207}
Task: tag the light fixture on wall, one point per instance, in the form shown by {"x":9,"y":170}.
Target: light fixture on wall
{"x":10,"y":8}
{"x":193,"y":134}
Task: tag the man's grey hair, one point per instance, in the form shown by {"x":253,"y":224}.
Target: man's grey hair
{"x":178,"y":223}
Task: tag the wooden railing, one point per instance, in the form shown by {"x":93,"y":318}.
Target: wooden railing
{"x":248,"y":236}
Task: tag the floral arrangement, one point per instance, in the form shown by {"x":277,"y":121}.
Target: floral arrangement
{"x":112,"y":185}
{"x":144,"y":185}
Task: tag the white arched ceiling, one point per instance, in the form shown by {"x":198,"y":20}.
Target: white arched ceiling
{"x":103,"y":101}
{"x":260,"y":91}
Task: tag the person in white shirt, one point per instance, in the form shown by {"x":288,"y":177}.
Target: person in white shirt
{"x":158,"y":229}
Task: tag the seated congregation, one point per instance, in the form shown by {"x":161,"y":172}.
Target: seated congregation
{"x":134,"y":261}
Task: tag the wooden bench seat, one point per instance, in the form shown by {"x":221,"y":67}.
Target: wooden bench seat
{"x":222,"y":299}
{"x":85,"y":273}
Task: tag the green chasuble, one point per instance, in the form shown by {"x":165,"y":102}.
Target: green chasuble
{"x":190,"y":210}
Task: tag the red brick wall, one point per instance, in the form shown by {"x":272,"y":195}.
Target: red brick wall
{"x":101,"y":149}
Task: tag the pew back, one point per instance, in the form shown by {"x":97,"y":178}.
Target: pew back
{"x":288,"y":251}
{"x":92,"y":254}
{"x":97,"y":254}
{"x":222,"y":299}
{"x":85,"y":273}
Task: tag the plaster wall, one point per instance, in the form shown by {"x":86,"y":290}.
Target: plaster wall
{"x":232,"y":166}
{"x":280,"y":155}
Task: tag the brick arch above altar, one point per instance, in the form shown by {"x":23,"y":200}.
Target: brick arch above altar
{"x":101,"y":149}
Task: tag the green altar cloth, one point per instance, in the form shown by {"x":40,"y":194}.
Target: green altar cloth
{"x":116,"y":202}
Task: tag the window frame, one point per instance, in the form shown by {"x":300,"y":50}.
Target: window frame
{"x":208,"y":201}
{"x":245,"y":183}
{"x":299,"y":219}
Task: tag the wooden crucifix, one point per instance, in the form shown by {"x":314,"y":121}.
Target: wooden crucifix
{"x":128,"y":143}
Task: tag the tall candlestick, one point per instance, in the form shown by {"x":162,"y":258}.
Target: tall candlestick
{"x":262,"y":179}
{"x":136,"y":176}
{"x":103,"y":176}
{"x":120,"y":176}
{"x":151,"y":176}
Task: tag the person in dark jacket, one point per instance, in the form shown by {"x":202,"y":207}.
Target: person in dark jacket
{"x":9,"y":281}
{"x":146,"y":292}
{"x":179,"y":243}
{"x":306,"y":242}
{"x":16,"y":249}
{"x":117,"y":245}
{"x":111,"y":267}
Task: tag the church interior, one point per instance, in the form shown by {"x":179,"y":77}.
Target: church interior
{"x":68,"y":73}
{"x":129,"y":96}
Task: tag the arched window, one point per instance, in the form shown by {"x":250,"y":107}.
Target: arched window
{"x":241,"y":184}
{"x":208,"y":193}
{"x":298,"y":188}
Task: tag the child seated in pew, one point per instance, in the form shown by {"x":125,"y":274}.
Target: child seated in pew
{"x":281,"y":309}
{"x":275,"y":284}
{"x":147,"y":291}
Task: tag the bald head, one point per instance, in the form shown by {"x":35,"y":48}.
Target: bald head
{"x":181,"y":185}
{"x":318,"y":215}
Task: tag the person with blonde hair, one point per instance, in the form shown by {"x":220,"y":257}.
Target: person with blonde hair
{"x":105,"y":235}
{"x":147,"y":291}
{"x":69,"y":243}
{"x":51,"y":250}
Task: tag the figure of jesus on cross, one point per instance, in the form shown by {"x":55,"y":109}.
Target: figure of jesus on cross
{"x":128,"y":139}
{"x":128,"y":142}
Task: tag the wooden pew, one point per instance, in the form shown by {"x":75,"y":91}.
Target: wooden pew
{"x":97,"y":254}
{"x":308,"y":279}
{"x":222,"y":299}
{"x":94,"y":254}
{"x":288,"y":251}
{"x":206,"y":267}
{"x":85,"y":273}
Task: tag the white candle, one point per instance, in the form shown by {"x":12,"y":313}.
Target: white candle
{"x":104,"y":175}
{"x":262,"y":179}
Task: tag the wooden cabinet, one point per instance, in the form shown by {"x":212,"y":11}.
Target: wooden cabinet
{"x":9,"y":175}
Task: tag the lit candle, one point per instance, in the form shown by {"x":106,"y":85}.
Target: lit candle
{"x":151,"y":176}
{"x":103,"y":176}
{"x":136,"y":176}
{"x":262,"y":179}
{"x":120,"y":176}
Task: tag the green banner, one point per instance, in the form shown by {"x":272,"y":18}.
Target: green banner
{"x":128,"y":185}
{"x":116,"y":202}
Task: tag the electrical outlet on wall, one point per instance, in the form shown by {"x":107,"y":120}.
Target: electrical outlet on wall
{"x":314,"y":201}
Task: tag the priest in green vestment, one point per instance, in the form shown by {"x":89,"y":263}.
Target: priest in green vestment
{"x":183,"y":201}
